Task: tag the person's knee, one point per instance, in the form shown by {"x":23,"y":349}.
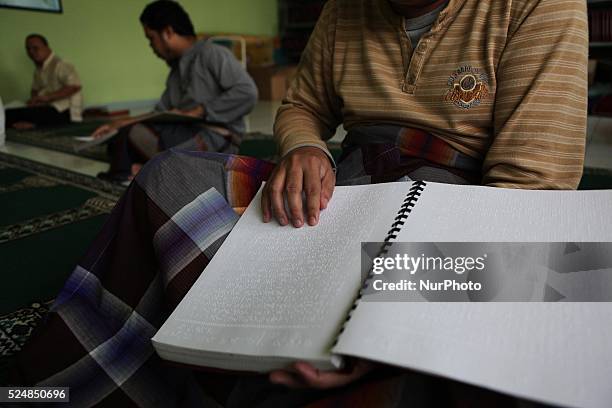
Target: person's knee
{"x":181,"y":164}
{"x":152,"y":171}
{"x":176,"y":174}
{"x":138,"y":132}
{"x":143,"y":140}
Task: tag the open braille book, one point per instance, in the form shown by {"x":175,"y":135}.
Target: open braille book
{"x":274,"y":295}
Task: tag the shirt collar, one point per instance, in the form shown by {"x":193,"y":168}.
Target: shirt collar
{"x":188,"y":57}
{"x":425,"y":20}
{"x":190,"y":53}
{"x":445,"y":16}
{"x":48,"y":60}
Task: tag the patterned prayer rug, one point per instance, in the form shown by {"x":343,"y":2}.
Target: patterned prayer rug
{"x":48,"y":217}
{"x":15,"y":328}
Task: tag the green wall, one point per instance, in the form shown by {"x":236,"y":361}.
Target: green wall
{"x":104,"y":40}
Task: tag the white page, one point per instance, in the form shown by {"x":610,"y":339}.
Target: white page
{"x":285,"y":292}
{"x":553,"y":352}
{"x":92,"y":141}
{"x":487,"y":214}
{"x":84,"y":138}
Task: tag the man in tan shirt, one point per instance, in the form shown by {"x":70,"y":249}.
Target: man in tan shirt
{"x":55,"y":97}
{"x":494,"y":92}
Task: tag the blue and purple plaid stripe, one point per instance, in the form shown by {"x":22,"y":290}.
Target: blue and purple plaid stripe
{"x":115,"y":334}
{"x":191,"y":230}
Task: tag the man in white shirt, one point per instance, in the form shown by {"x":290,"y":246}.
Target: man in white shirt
{"x":55,"y":97}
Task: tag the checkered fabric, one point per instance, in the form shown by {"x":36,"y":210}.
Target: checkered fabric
{"x":158,"y":240}
{"x":386,"y":153}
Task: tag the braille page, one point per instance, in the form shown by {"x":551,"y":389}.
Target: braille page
{"x":485,"y":214}
{"x":558,"y":353}
{"x":280,"y":292}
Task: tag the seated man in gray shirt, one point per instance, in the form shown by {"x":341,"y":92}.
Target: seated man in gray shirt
{"x":205,"y":81}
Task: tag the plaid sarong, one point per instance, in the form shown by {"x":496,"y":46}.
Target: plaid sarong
{"x":157,"y":241}
{"x":388,"y":152}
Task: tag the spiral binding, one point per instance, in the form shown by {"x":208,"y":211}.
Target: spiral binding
{"x":411,"y":198}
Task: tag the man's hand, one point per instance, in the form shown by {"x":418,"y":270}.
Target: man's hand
{"x":304,"y":375}
{"x":304,"y":170}
{"x":65,"y":92}
{"x":112,"y":127}
{"x":38,"y":100}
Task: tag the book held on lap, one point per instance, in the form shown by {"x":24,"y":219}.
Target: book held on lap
{"x":153,"y":118}
{"x":274,"y":295}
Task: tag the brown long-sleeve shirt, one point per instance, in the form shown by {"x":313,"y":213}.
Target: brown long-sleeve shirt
{"x":501,"y":81}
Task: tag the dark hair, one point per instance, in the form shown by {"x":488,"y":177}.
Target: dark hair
{"x":39,"y":36}
{"x":163,"y":13}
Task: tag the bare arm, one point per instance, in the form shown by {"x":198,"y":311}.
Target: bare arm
{"x":65,"y":92}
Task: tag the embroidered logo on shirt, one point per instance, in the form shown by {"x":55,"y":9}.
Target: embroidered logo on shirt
{"x":468,"y":86}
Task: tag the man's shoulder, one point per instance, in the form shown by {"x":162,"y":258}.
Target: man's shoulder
{"x":210,"y":53}
{"x":520,"y":10}
{"x":349,"y":6}
{"x":524,"y":7}
{"x":209,"y":49}
{"x":533,"y":3}
{"x":357,"y":11}
{"x":348,"y":9}
{"x":60,"y":63}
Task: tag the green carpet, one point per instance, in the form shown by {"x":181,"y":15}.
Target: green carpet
{"x":60,"y":138}
{"x":48,"y":217}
